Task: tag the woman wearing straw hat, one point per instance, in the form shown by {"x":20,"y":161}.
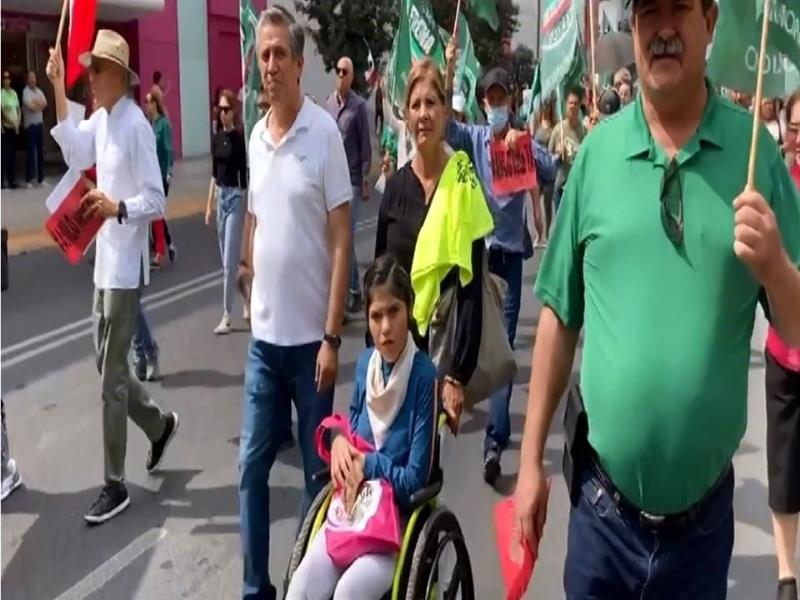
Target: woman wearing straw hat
{"x":129,"y":194}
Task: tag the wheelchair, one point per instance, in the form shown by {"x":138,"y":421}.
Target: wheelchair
{"x":431,"y":529}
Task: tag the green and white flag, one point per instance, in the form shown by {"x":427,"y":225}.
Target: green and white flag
{"x":417,"y":38}
{"x":733,"y":62}
{"x":468,"y":69}
{"x":485,"y":10}
{"x":251,"y":77}
{"x":561,"y":48}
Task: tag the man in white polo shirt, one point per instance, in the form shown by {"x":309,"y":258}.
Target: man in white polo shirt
{"x":298,"y":257}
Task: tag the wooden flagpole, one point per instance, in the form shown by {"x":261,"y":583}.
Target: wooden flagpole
{"x":751,"y":167}
{"x":64,"y":7}
{"x":458,"y":13}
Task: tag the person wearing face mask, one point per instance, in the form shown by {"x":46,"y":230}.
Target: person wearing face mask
{"x":510,"y":244}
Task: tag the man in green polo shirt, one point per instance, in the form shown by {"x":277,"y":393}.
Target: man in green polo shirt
{"x":11,"y":117}
{"x":664,"y":274}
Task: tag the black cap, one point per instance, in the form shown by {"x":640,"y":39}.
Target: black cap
{"x":497,"y":76}
{"x":609,"y":102}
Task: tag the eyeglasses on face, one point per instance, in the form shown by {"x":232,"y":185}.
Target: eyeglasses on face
{"x":672,"y":203}
{"x":341,"y":72}
{"x":224,"y":109}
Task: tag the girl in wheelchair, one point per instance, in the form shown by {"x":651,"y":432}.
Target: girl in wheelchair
{"x":394,"y":408}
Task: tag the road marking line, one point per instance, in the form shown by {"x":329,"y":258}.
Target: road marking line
{"x":88,"y":320}
{"x":83,"y":327}
{"x":8,"y":363}
{"x":98,"y":578}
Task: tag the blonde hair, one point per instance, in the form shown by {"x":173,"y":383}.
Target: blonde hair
{"x":425,"y":70}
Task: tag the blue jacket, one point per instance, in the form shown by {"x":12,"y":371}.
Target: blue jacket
{"x":406,"y":458}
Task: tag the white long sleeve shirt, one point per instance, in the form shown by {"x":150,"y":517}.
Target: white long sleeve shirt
{"x":122,"y":146}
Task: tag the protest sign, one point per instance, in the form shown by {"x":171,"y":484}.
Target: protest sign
{"x":513,"y":167}
{"x":69,"y":227}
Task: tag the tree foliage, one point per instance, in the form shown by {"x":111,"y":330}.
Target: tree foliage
{"x":351,"y":28}
{"x":522,"y":66}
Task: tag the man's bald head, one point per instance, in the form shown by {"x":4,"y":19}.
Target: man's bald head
{"x":344,"y":75}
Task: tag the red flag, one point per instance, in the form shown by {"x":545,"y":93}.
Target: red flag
{"x":81,"y":32}
{"x":516,"y":560}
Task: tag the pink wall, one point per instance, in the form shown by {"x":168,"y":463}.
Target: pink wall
{"x":224,"y":64}
{"x":157,"y":50}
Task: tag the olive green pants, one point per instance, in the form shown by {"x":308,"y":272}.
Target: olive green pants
{"x":124,"y":396}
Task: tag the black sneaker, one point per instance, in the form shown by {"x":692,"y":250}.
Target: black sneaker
{"x":787,"y":589}
{"x":112,"y":501}
{"x":491,"y":466}
{"x":158,"y":447}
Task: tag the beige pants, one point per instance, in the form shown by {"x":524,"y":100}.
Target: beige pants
{"x":124,"y":396}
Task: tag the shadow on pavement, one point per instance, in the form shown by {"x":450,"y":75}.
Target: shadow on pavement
{"x":58,"y":549}
{"x":207,"y":378}
{"x":752,"y":577}
{"x":750,"y":504}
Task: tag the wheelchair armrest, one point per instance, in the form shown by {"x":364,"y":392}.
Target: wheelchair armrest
{"x":426,"y":494}
{"x":323,"y":475}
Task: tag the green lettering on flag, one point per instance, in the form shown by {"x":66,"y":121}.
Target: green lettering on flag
{"x":251,"y":77}
{"x":733,"y":62}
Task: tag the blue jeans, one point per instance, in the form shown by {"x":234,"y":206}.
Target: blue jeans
{"x":144,"y":345}
{"x":354,"y":285}
{"x":274,"y":376}
{"x":508,"y":266}
{"x":230,"y":219}
{"x":612,"y":556}
{"x":34,"y":166}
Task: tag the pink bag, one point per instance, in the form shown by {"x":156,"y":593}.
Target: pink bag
{"x":373,"y":525}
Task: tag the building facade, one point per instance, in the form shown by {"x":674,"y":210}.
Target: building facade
{"x":193,"y":43}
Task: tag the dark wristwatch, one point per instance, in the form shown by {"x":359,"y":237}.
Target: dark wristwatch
{"x":122,"y":212}
{"x":334,"y":341}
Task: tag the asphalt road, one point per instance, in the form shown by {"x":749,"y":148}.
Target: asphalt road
{"x":180,"y":539}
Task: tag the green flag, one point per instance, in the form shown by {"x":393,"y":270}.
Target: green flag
{"x":251,"y":77}
{"x":733,"y":62}
{"x":485,"y":10}
{"x":535,"y":99}
{"x":560,"y":44}
{"x":468,"y":69}
{"x":417,"y":37}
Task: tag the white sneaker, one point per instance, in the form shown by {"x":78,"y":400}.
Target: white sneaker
{"x":224,"y":326}
{"x":13,"y":481}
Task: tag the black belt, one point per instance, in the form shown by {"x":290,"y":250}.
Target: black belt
{"x":660,"y":523}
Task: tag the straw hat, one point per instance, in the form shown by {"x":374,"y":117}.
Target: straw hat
{"x":110,"y":46}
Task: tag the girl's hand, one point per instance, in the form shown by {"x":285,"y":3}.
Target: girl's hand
{"x":341,"y":462}
{"x":453,"y":400}
{"x":354,"y":479}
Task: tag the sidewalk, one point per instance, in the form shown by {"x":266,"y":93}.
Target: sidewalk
{"x":23,"y":213}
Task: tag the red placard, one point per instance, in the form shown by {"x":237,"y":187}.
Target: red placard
{"x":70,"y":228}
{"x":513,"y":168}
{"x":516,"y":560}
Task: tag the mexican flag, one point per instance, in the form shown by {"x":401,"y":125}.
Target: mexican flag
{"x":251,"y":77}
{"x":417,"y":37}
{"x":733,"y":62}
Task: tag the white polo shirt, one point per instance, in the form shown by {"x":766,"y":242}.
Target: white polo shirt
{"x":294,"y":184}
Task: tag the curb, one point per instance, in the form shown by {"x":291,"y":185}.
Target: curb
{"x":29,"y":240}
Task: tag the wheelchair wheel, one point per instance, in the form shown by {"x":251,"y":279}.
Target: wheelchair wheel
{"x":304,"y":535}
{"x":440,"y":531}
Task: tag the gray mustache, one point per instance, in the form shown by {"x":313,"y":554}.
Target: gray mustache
{"x":660,"y":47}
